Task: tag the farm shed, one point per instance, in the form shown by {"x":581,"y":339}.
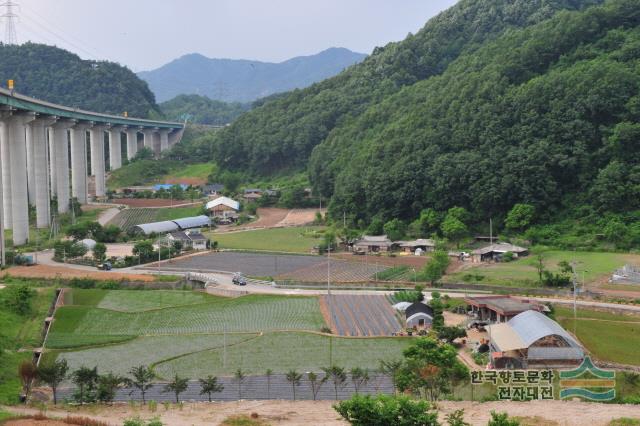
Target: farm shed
{"x":157,"y":227}
{"x":418,"y":246}
{"x":193,"y":222}
{"x":374,"y":244}
{"x":212,"y":189}
{"x":499,"y":308}
{"x":223,"y":207}
{"x":532,"y":340}
{"x":496,"y":251}
{"x":418,"y":315}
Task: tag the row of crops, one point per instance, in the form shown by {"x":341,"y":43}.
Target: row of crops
{"x":361,"y":315}
{"x":340,"y":271}
{"x":128,"y":218}
{"x":85,"y":325}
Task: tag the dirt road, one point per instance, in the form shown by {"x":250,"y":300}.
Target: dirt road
{"x":321,"y":413}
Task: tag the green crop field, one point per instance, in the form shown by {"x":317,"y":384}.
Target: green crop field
{"x":172,"y":213}
{"x":282,"y":352}
{"x":91,"y":325}
{"x":292,"y":240}
{"x":132,"y":301}
{"x":608,"y":336}
{"x":523,"y":272}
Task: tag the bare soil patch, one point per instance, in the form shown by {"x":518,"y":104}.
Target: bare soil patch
{"x":417,"y":262}
{"x":299,"y":217}
{"x":304,"y":413}
{"x":153,"y":202}
{"x":47,"y":271}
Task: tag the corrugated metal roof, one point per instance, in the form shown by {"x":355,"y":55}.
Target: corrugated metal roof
{"x":158,"y":227}
{"x":192,"y":222}
{"x":418,"y":316}
{"x":554,"y":353}
{"x":532,"y":326}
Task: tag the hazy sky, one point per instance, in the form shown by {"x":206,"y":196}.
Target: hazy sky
{"x":144,"y":34}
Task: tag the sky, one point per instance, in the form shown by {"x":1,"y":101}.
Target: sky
{"x":146,"y":34}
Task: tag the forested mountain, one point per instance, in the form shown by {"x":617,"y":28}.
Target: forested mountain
{"x":55,"y":75}
{"x":282,"y":133}
{"x":244,"y":81}
{"x":202,"y":110}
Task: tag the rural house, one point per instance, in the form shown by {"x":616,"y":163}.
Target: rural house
{"x":494,"y":252}
{"x":223,"y":208}
{"x":373,"y":244}
{"x":212,"y":189}
{"x":189,"y":239}
{"x":532,"y":340}
{"x":252,"y":194}
{"x":418,"y":246}
{"x":499,"y":308}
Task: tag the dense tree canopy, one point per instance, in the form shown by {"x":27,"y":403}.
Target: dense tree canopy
{"x":55,"y":75}
{"x":202,"y":110}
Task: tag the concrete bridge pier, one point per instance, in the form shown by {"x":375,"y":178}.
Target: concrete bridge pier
{"x":132,"y":143}
{"x":79,"y":161}
{"x":148,"y":138}
{"x":60,"y":161}
{"x":175,"y":137}
{"x":97,"y":159}
{"x":31,"y":171}
{"x":40,"y":165}
{"x":164,"y":140}
{"x":115,"y":147}
{"x":7,"y":215}
{"x":53,"y":185}
{"x":19,"y":191}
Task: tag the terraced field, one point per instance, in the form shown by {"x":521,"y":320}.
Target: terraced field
{"x":355,"y":315}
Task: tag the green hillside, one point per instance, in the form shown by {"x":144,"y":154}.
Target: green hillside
{"x":55,"y":75}
{"x":282,"y":133}
{"x":202,"y":110}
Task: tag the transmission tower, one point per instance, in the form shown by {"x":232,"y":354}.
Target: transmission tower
{"x":9,"y":17}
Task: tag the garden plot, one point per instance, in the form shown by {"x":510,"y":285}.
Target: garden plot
{"x":81,"y":325}
{"x":340,"y":270}
{"x":128,"y":218}
{"x":355,"y":315}
{"x":119,"y":359}
{"x":282,"y":352}
{"x":133,"y":301}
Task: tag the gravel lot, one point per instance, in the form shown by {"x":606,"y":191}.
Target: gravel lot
{"x":253,"y":264}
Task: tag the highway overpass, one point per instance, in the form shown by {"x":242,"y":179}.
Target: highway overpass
{"x":50,"y":150}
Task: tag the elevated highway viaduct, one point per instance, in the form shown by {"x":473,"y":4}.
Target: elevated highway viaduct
{"x":49,"y":150}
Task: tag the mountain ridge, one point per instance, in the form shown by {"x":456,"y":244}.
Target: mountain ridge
{"x":244,"y":80}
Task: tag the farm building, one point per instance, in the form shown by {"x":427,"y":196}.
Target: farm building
{"x":189,"y":239}
{"x":252,"y":194}
{"x":172,"y":225}
{"x":212,"y":189}
{"x":499,"y":308}
{"x":169,"y":186}
{"x":494,"y":252}
{"x":374,"y":244}
{"x":532,"y":340}
{"x":418,"y":246}
{"x":223,"y":207}
{"x":418,"y":315}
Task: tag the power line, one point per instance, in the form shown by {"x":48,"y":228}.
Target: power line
{"x":9,"y":16}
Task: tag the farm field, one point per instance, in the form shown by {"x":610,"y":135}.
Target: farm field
{"x":355,"y":315}
{"x":608,"y":336}
{"x":285,"y":351}
{"x":293,"y":240}
{"x":86,"y":325}
{"x":130,"y":301}
{"x":190,"y":174}
{"x":339,"y":270}
{"x":150,"y":202}
{"x":522,"y":272}
{"x":252,"y":264}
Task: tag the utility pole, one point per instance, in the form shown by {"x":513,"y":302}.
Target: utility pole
{"x":575,"y":311}
{"x":9,"y":17}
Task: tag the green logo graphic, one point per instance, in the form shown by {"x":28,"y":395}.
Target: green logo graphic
{"x":599,"y":388}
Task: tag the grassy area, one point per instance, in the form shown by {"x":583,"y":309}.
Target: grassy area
{"x":84,"y":325}
{"x":523,"y":272}
{"x":282,"y":352}
{"x":293,"y":240}
{"x":608,"y":336}
{"x":172,"y":213}
{"x":21,"y":332}
{"x":199,"y":171}
{"x":133,"y":301}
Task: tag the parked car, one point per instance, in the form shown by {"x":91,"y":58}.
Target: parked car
{"x":238,"y":279}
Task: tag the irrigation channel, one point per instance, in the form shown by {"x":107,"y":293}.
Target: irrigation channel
{"x":254,"y":388}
